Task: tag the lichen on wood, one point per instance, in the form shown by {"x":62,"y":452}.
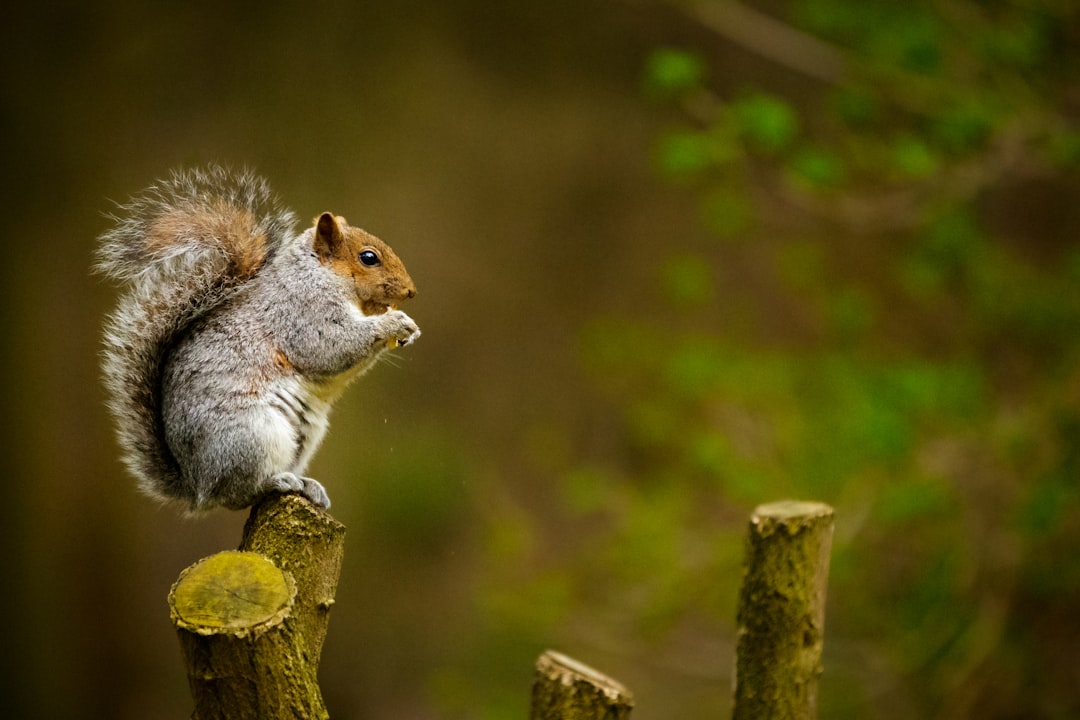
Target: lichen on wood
{"x":232,"y":591}
{"x":781,"y":612}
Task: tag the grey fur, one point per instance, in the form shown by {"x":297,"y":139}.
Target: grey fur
{"x":203,"y":415}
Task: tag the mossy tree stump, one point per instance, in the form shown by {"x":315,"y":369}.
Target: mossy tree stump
{"x":781,"y":612}
{"x":252,"y":622}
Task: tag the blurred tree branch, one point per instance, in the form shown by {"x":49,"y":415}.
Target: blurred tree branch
{"x":770,"y":38}
{"x":1012,"y":148}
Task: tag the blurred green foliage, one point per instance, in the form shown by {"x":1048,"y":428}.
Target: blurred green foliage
{"x":853,"y":278}
{"x":927,"y":381}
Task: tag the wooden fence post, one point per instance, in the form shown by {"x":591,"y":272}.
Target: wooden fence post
{"x":252,"y":622}
{"x":781,"y":612}
{"x":566,"y":689}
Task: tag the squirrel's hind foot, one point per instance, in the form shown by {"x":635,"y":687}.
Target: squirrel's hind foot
{"x":309,"y":488}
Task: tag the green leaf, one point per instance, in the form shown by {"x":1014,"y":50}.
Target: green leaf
{"x":670,"y":72}
{"x":913,"y":158}
{"x":768,"y":123}
{"x":817,"y":168}
{"x":920,"y":49}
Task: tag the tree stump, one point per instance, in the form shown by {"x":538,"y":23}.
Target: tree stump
{"x":568,"y":690}
{"x":781,"y":613}
{"x":252,"y":622}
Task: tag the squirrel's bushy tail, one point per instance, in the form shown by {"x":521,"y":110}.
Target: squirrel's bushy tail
{"x":181,"y":247}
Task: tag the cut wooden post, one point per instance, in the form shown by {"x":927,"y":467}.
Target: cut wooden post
{"x":565,"y":689}
{"x":303,"y":540}
{"x":252,"y":622}
{"x":244,"y":657}
{"x":781,"y":613}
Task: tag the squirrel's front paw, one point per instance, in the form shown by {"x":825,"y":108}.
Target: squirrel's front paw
{"x":399,"y":328}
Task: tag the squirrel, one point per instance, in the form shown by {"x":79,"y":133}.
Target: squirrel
{"x":236,"y":334}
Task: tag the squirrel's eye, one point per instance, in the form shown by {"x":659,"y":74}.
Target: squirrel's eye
{"x":369,"y":258}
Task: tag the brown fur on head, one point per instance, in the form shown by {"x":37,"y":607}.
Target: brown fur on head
{"x":377,"y":273}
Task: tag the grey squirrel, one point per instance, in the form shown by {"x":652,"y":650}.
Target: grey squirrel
{"x":236,"y":334}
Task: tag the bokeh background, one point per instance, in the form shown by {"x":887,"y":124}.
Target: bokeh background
{"x":675,"y":259}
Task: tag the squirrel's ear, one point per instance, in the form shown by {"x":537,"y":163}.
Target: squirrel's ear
{"x":328,"y":237}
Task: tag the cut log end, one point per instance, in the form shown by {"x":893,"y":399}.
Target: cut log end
{"x":566,"y":688}
{"x":792,"y":516}
{"x":786,"y":509}
{"x":556,"y":666}
{"x":231,"y":592}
